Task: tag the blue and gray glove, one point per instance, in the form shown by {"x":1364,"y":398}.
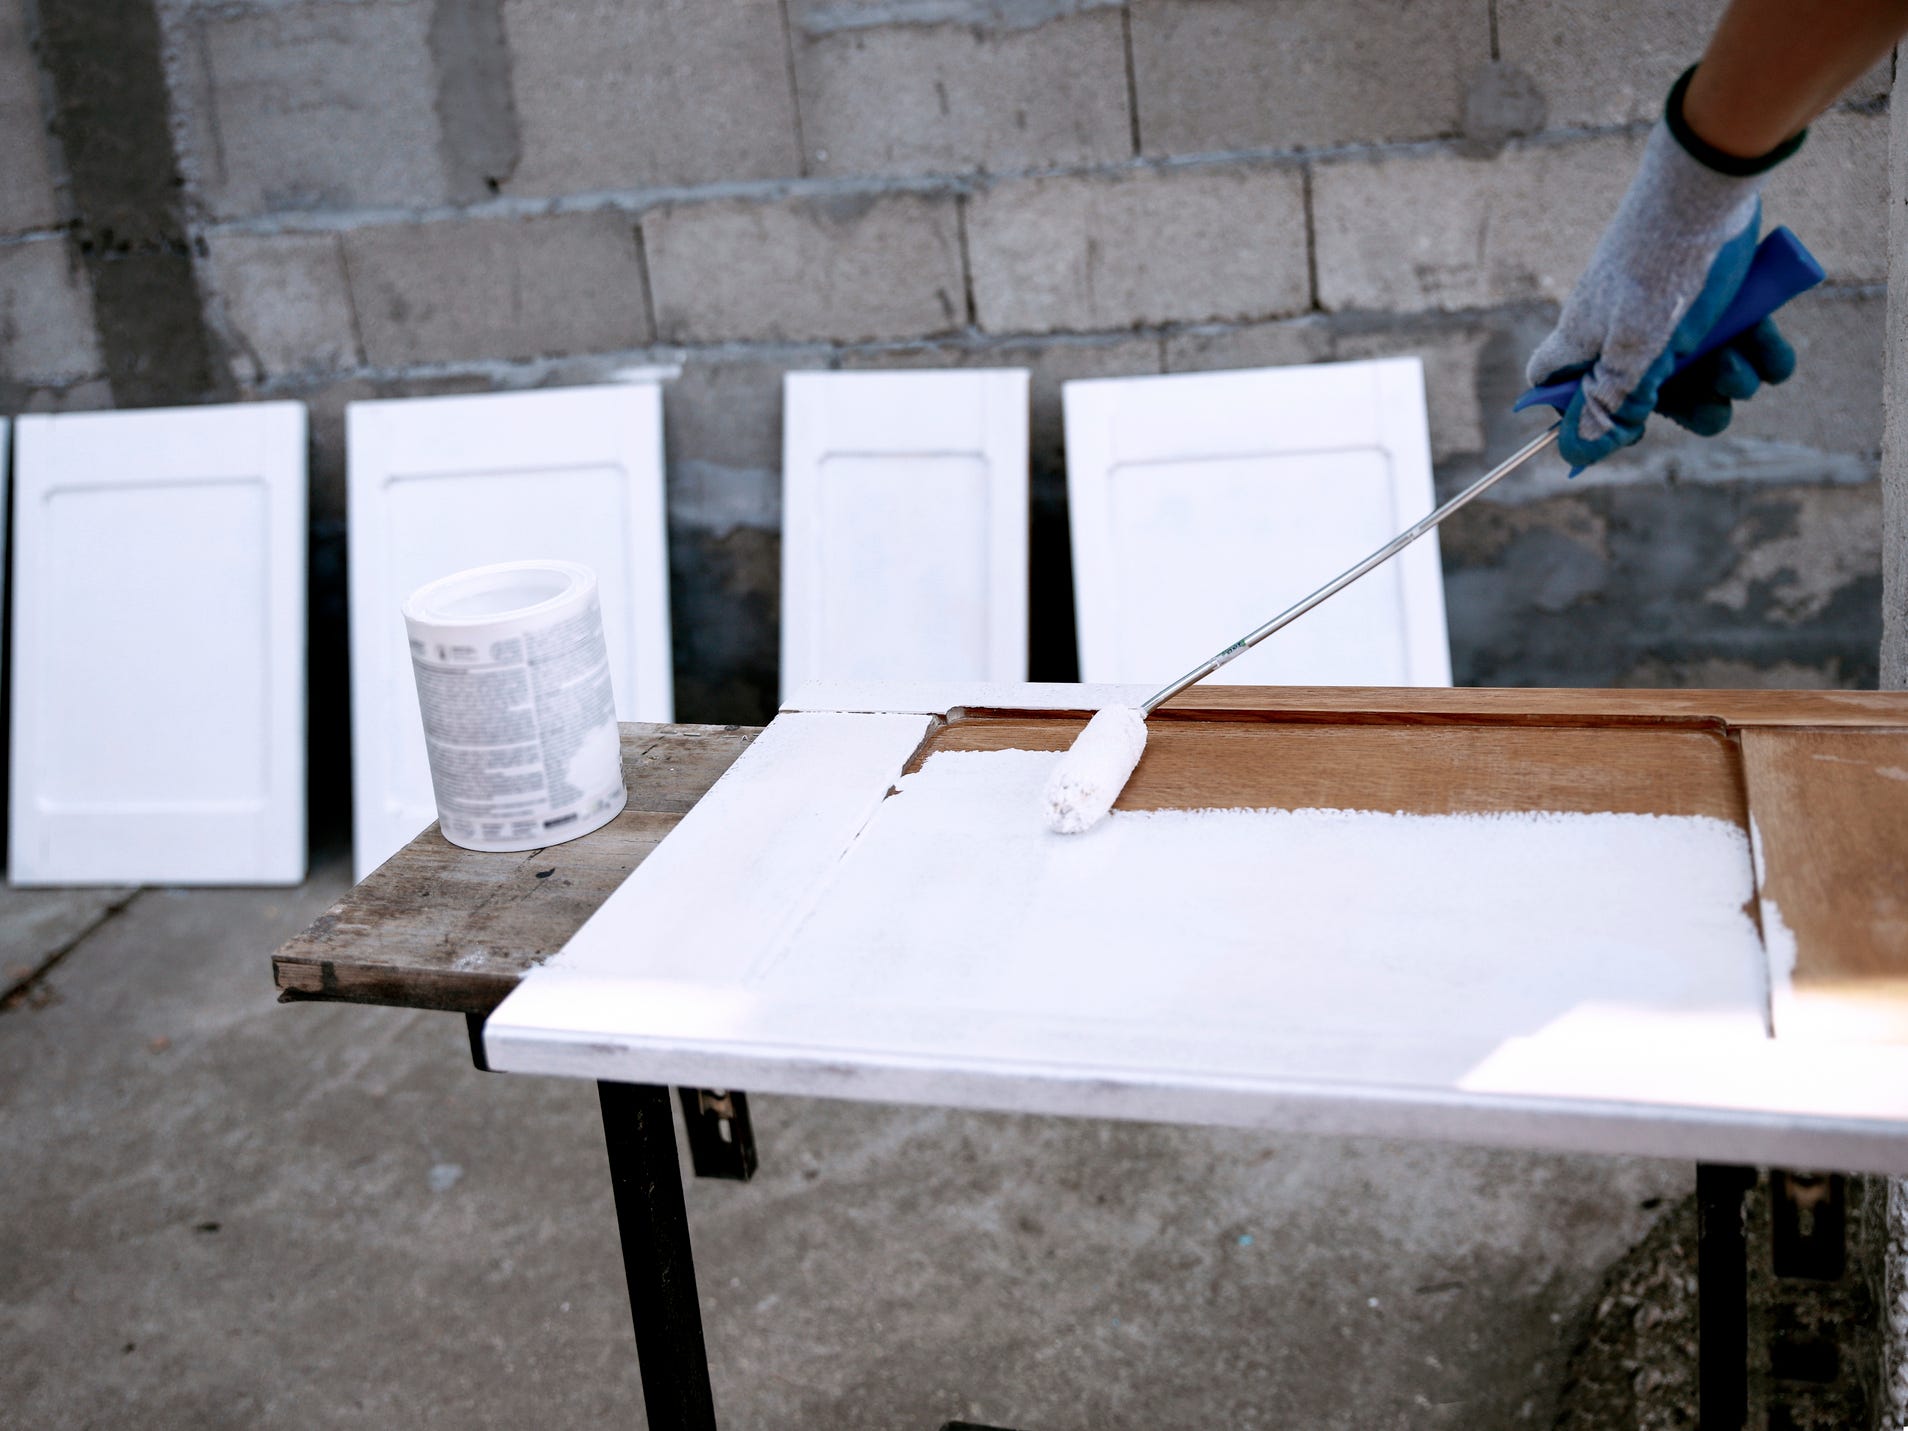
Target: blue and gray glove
{"x":1662,"y":274}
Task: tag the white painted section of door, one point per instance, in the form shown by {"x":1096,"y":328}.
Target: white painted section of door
{"x":904,"y":527}
{"x":159,"y":647}
{"x":440,"y":484}
{"x":1203,"y":504}
{"x":760,"y":948}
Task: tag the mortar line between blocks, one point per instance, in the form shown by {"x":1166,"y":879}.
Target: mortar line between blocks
{"x":288,"y":221}
{"x":1311,"y":241}
{"x":1132,"y":79}
{"x":644,"y":280}
{"x":351,"y":300}
{"x":794,"y":89}
{"x":967,"y":264}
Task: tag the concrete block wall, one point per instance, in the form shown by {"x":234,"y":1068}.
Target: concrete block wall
{"x":387,"y":197}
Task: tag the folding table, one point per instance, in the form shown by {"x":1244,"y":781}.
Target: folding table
{"x":703,"y":971}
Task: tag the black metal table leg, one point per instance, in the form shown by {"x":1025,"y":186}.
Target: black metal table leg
{"x":1722,"y":1297}
{"x":654,"y":1224}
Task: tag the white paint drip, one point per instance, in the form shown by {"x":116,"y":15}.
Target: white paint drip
{"x":1088,"y":778}
{"x":1778,"y":941}
{"x":1273,"y":924}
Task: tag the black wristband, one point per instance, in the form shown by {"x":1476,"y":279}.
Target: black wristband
{"x":1707,"y":154}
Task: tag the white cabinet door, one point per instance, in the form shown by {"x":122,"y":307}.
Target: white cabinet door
{"x":439,"y":484}
{"x":1203,"y":504}
{"x":904,"y":527}
{"x":159,"y":647}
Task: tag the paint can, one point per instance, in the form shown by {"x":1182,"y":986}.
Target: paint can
{"x":513,"y":681}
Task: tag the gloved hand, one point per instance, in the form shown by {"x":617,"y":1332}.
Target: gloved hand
{"x":1662,"y":274}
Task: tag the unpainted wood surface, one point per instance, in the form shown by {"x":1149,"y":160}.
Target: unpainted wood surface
{"x":443,"y":928}
{"x":438,"y":927}
{"x":1418,"y":769}
{"x":1831,"y":811}
{"x":1515,"y":704}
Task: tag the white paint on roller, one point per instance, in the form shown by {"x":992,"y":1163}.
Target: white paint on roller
{"x":1263,"y":925}
{"x":1088,"y":778}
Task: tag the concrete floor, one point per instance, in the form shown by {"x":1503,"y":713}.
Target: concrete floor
{"x":223,"y":1212}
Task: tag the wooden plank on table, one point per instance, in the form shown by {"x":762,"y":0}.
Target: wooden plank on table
{"x":1525,"y":704}
{"x":1436,"y":769}
{"x":1389,"y":705}
{"x":1831,"y":818}
{"x":439,"y":927}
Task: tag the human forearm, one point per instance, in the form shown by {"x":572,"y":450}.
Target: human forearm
{"x":1773,"y":65}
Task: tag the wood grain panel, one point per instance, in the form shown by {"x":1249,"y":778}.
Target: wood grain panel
{"x":1437,"y":769}
{"x":439,"y":927}
{"x":1340,"y":704}
{"x":1831,"y":813}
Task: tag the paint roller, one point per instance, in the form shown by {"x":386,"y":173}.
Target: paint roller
{"x":1089,"y":777}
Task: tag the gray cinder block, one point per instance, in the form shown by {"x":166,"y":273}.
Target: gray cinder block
{"x":1155,"y":246}
{"x":46,"y":315}
{"x":1834,"y":401}
{"x":917,"y":99}
{"x":612,"y":95}
{"x":284,"y":302}
{"x":27,"y":200}
{"x":1217,"y":75}
{"x":1612,"y":62}
{"x":1835,"y":195}
{"x":1418,"y":230}
{"x":501,"y":288}
{"x":311,"y":106}
{"x":847,"y":268}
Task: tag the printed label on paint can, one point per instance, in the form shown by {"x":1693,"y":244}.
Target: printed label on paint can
{"x":513,"y":681}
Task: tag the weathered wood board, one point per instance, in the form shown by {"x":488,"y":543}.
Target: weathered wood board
{"x":439,"y":927}
{"x":669,"y":982}
{"x":1385,"y":705}
{"x":1830,"y":809}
